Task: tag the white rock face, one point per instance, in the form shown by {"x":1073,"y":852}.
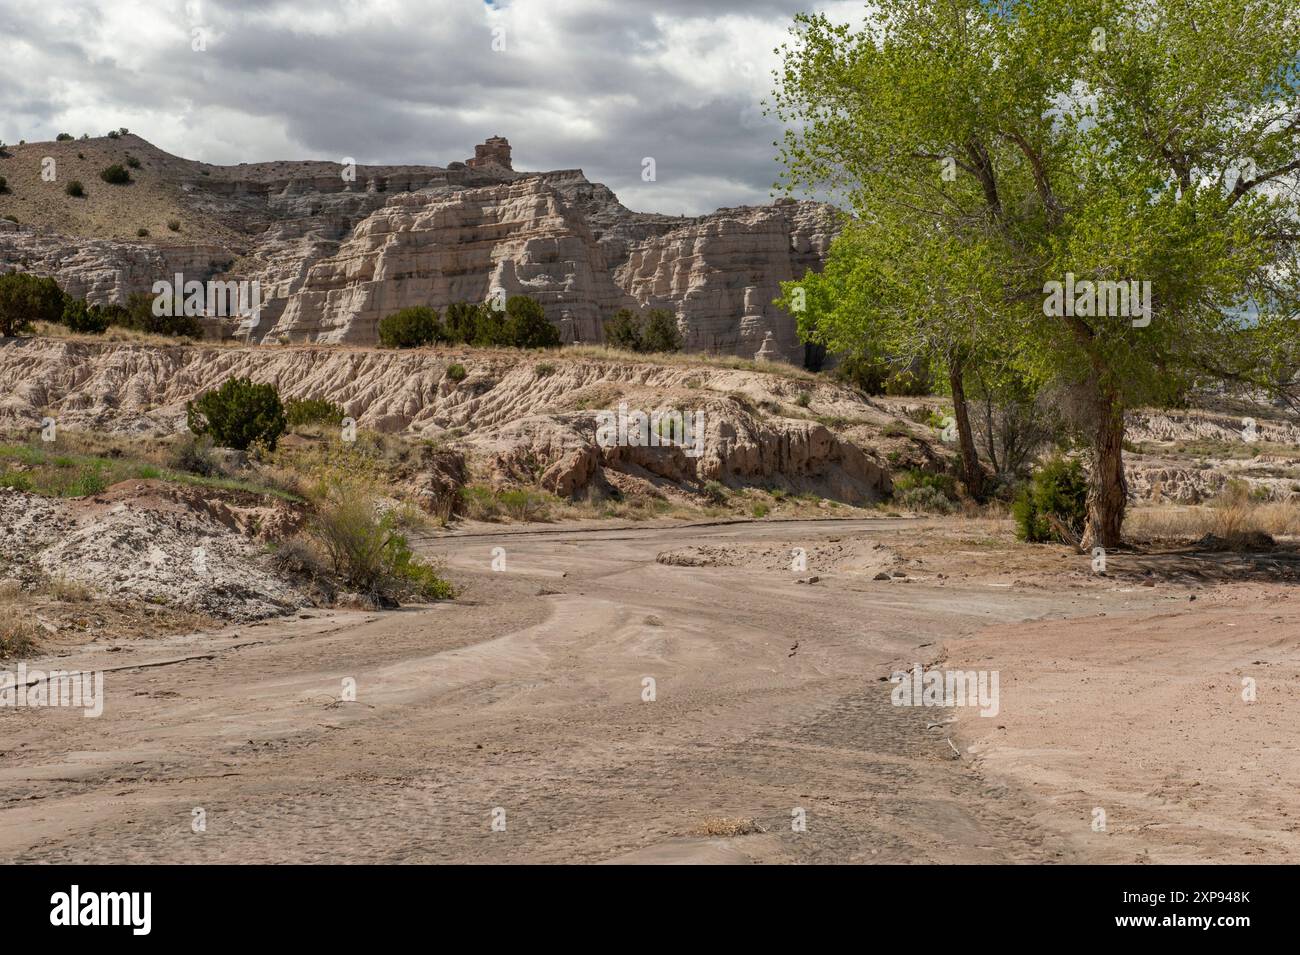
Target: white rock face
{"x":333,"y":256}
{"x":459,"y":246}
{"x":722,"y":273}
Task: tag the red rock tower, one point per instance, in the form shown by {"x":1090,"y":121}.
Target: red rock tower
{"x":495,"y":151}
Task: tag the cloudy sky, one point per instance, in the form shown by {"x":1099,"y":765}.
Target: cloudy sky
{"x":596,"y":84}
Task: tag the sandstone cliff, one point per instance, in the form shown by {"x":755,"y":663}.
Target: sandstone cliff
{"x":335,"y":248}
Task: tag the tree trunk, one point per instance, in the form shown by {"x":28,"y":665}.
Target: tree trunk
{"x":1107,"y":489}
{"x":972,"y":473}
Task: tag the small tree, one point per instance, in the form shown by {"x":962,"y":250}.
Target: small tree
{"x":460,"y":321}
{"x":75,"y":189}
{"x":623,"y":331}
{"x":410,"y":328}
{"x":237,"y":414}
{"x":63,"y":137}
{"x":661,"y":333}
{"x":25,"y":298}
{"x":527,"y":325}
{"x":80,"y":317}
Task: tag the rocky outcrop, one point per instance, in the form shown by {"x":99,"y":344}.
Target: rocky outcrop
{"x":335,"y":247}
{"x":722,"y":273}
{"x":456,"y":246}
{"x":531,"y":419}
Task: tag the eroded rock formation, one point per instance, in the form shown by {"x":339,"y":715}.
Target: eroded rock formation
{"x":336,"y":247}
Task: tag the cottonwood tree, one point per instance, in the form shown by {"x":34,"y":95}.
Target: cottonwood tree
{"x":1109,"y":141}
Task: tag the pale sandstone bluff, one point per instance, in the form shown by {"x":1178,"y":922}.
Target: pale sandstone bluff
{"x":435,"y":249}
{"x":334,"y":250}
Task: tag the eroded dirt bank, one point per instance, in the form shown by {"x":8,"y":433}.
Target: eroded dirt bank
{"x":526,"y":695}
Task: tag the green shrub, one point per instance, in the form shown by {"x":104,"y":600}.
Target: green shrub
{"x":1057,"y":490}
{"x":4,"y":184}
{"x":174,"y":225}
{"x":456,"y":372}
{"x":760,"y":510}
{"x":137,"y":314}
{"x":63,"y":137}
{"x":655,"y":332}
{"x":115,"y":174}
{"x":410,"y":328}
{"x":915,"y":478}
{"x":926,"y":499}
{"x":132,"y":162}
{"x":527,"y":326}
{"x":237,"y":414}
{"x":75,"y":189}
{"x":80,"y":317}
{"x":26,"y":298}
{"x":803,"y":400}
{"x":623,"y":330}
{"x":661,"y":333}
{"x":461,"y":321}
{"x":142,"y":232}
{"x":114,"y":134}
{"x":715,"y":491}
{"x":193,"y":455}
{"x":306,"y":411}
{"x":368,"y":552}
{"x":544,"y":370}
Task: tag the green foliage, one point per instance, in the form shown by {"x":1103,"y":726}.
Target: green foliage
{"x":26,"y":298}
{"x":460,"y":321}
{"x":656,"y":331}
{"x":456,"y":372}
{"x":80,"y":317}
{"x":193,"y":455}
{"x":114,"y":134}
{"x":1058,"y":489}
{"x":410,"y":328}
{"x":142,"y":232}
{"x":915,"y":478}
{"x":368,"y":551}
{"x":138,"y":315}
{"x":63,"y":137}
{"x":174,"y":225}
{"x":624,"y":330}
{"x":75,"y":189}
{"x":115,"y":174}
{"x":527,"y":326}
{"x":927,"y":500}
{"x":305,"y":411}
{"x":238,"y":414}
{"x":661,"y":333}
{"x":4,"y":185}
{"x":132,"y":162}
{"x":957,"y":133}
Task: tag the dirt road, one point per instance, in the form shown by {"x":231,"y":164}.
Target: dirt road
{"x":517,"y":725}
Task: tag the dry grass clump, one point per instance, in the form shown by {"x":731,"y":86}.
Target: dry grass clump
{"x":728,"y":826}
{"x":68,"y":590}
{"x":18,"y":635}
{"x":1235,"y":517}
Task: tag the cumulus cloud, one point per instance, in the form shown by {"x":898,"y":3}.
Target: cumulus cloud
{"x":572,"y":83}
